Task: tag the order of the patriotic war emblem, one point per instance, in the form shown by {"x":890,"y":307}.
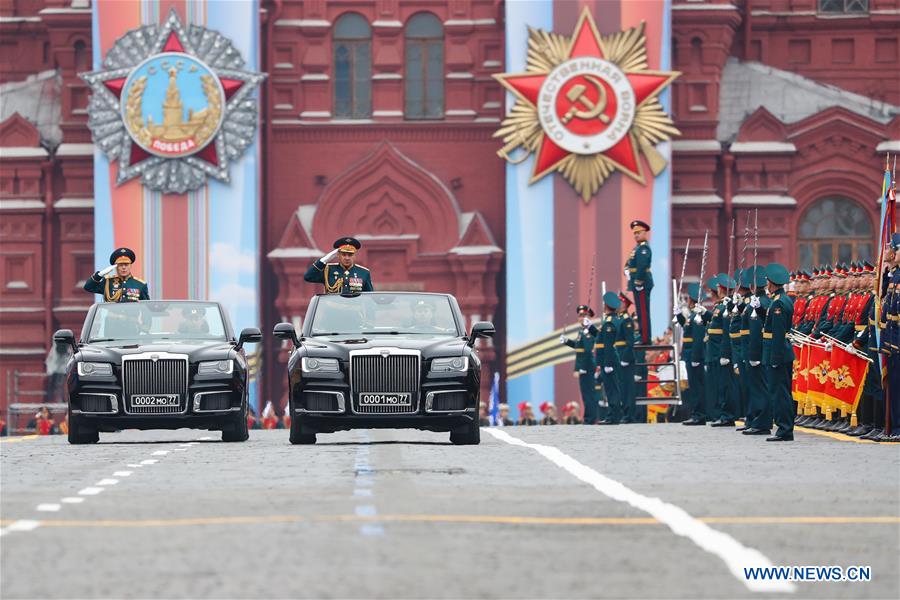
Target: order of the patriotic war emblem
{"x":173,"y":105}
{"x":587,"y":106}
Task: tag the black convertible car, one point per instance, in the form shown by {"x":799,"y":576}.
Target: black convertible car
{"x":385,"y":360}
{"x":157,"y":365}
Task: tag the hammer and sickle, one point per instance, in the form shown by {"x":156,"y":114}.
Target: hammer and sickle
{"x":576,"y":96}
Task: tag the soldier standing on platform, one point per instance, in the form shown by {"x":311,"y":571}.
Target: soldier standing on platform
{"x":608,"y":359}
{"x":344,"y":276}
{"x":778,"y":354}
{"x":759,"y":412}
{"x":691,"y":320}
{"x":640,"y":280}
{"x":625,"y":349}
{"x":584,"y":362}
{"x":121,"y":287}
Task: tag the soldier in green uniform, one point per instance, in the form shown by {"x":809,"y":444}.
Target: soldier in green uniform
{"x":726,"y":400}
{"x":715,"y":333}
{"x":759,"y":412}
{"x":344,"y":276}
{"x":739,"y":302}
{"x":691,"y":320}
{"x":625,"y":348}
{"x":778,"y":353}
{"x":584,"y":362}
{"x":640,"y":280}
{"x":121,"y":286}
{"x":608,"y":359}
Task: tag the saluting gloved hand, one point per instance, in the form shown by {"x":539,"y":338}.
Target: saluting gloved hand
{"x":329,"y":256}
{"x":106,"y":271}
{"x":607,"y":370}
{"x":724,"y":361}
{"x":754,"y":302}
{"x":754,"y":363}
{"x":562,"y":339}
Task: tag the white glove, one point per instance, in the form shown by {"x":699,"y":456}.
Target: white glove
{"x":607,"y":370}
{"x":562,"y":339}
{"x":698,"y":320}
{"x":734,"y":310}
{"x":627,"y":274}
{"x":638,"y":288}
{"x":695,"y":365}
{"x":724,"y":361}
{"x":586,"y":322}
{"x":329,"y":256}
{"x":106,"y":271}
{"x":685,"y":311}
{"x":624,"y":364}
{"x":675,"y":321}
{"x":676,"y":311}
{"x":754,"y":302}
{"x":736,"y":299}
{"x":828,"y":347}
{"x":637,"y":377}
{"x":754,"y":363}
{"x":699,"y":309}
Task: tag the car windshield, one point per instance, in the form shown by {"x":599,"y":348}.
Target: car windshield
{"x":384,"y":314}
{"x":155,"y":320}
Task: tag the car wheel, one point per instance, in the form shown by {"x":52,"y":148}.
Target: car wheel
{"x":299,"y":433}
{"x":79,"y":433}
{"x":468,"y":435}
{"x":236,"y":429}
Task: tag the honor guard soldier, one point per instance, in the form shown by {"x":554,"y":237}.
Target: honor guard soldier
{"x":344,"y":276}
{"x":890,"y":344}
{"x":584,"y":362}
{"x":716,"y":384}
{"x":739,"y":303}
{"x":759,"y":411}
{"x":607,"y":358}
{"x":640,"y":280}
{"x":625,"y":349}
{"x":691,"y":320}
{"x":116,"y":282}
{"x":778,"y":353}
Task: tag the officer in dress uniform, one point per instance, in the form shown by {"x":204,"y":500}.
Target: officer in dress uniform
{"x":640,"y":280}
{"x":759,"y":412}
{"x":890,"y":345}
{"x":778,"y":353}
{"x":607,"y":359}
{"x":344,"y":276}
{"x":739,"y":302}
{"x":625,"y":348}
{"x":716,"y":387}
{"x":692,"y":351}
{"x":871,"y":404}
{"x":121,"y":286}
{"x":728,"y":401}
{"x":584,"y":362}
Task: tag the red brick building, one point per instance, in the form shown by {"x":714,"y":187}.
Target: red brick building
{"x":377,"y":116}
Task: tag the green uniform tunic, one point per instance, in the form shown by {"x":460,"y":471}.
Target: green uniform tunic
{"x":338,"y":280}
{"x":777,"y":360}
{"x":584,"y":369}
{"x":115,"y":289}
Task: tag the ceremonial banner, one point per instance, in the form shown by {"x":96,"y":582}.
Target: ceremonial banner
{"x":569,"y":207}
{"x":819,"y":361}
{"x":846,"y":377}
{"x":798,"y":375}
{"x":173,"y":115}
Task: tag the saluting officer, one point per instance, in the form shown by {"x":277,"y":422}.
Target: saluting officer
{"x":608,"y":359}
{"x":344,"y":276}
{"x":691,"y":320}
{"x":640,"y":280}
{"x":778,"y":353}
{"x":121,"y":286}
{"x":584,"y":362}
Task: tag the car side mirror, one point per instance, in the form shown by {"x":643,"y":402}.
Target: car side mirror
{"x":481,"y":329}
{"x":65,"y":337}
{"x":249,"y":335}
{"x":286,"y":331}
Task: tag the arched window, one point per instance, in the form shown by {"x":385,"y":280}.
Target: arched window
{"x":424,"y":67}
{"x":835,"y":229}
{"x":352,"y":67}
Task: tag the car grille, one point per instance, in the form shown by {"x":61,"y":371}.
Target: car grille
{"x":449,"y":401}
{"x":374,"y":373}
{"x":95,"y":403}
{"x":215,"y":401}
{"x":162,"y":376}
{"x":320,"y":402}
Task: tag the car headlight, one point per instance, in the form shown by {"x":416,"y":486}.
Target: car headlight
{"x":216,"y":367}
{"x":457,"y":364}
{"x":94,"y":369}
{"x":320,"y":365}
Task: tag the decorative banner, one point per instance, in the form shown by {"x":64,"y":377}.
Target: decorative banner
{"x":176,"y":166}
{"x":846,"y":377}
{"x":558,"y":227}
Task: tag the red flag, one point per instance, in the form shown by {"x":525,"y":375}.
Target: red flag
{"x":801,"y":373}
{"x":819,"y":361}
{"x":846,"y":378}
{"x":796,"y":375}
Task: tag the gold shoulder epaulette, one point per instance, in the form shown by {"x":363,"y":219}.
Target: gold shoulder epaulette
{"x":361,"y":267}
{"x":138,"y":279}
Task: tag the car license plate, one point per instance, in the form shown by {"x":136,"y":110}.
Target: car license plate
{"x":402,"y":399}
{"x":155,"y":400}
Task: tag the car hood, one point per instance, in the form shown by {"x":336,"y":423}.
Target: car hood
{"x":341,"y":346}
{"x":196,"y":350}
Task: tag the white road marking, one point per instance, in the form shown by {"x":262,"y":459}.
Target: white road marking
{"x":107,"y":482}
{"x":149,"y":461}
{"x":189,"y":444}
{"x":72,"y":500}
{"x":208,"y":437}
{"x":135,"y":466}
{"x":180,"y":449}
{"x":359,"y":492}
{"x":160,"y":453}
{"x":20,"y":525}
{"x":48,"y":507}
{"x":122,"y":473}
{"x":90,"y":491}
{"x":366,"y":510}
{"x":735,"y":555}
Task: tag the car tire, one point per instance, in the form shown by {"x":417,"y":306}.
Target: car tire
{"x":79,"y":433}
{"x":236,"y":429}
{"x":468,"y":435}
{"x":299,"y":434}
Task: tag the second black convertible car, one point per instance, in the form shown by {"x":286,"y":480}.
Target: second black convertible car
{"x":157,"y":365}
{"x":386,"y":360}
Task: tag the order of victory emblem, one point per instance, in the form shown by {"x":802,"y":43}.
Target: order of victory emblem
{"x":587,"y":106}
{"x":173,"y":106}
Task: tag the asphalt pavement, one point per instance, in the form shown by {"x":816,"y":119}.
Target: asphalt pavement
{"x":631,"y":511}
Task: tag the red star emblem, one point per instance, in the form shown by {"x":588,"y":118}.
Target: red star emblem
{"x":587,"y":108}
